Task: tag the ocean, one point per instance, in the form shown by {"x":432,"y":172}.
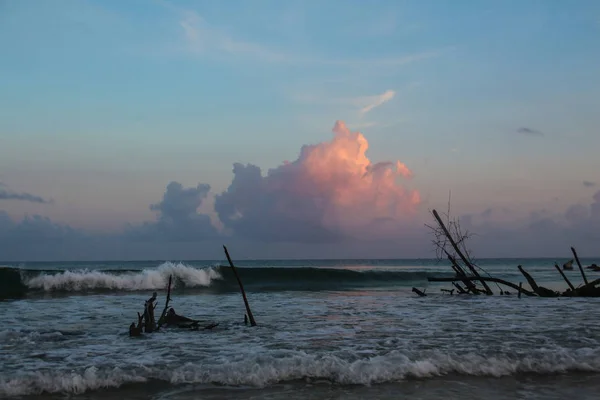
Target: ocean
{"x":326,"y":329}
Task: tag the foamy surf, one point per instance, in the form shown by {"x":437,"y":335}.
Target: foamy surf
{"x":147,"y":279}
{"x":262,"y":371}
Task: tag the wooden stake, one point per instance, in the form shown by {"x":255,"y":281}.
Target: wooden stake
{"x":250,"y":316}
{"x":163,"y":315}
{"x":520,"y":288}
{"x":564,"y":277}
{"x":460,"y":253}
{"x":579,"y":265}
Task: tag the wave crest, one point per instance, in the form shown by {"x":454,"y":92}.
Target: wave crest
{"x":148,"y":279}
{"x":262,"y":371}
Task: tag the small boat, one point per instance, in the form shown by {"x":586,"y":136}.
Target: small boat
{"x":568,"y":265}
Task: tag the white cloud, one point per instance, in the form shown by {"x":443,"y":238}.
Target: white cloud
{"x":364,"y":104}
{"x":375,"y":101}
{"x":200,"y":37}
{"x":354,"y":108}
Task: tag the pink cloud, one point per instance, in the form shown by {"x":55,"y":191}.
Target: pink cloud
{"x":331,"y":191}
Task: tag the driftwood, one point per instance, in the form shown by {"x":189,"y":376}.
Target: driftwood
{"x":459,"y":252}
{"x":136,"y":330}
{"x":593,"y":267}
{"x":480,"y":278}
{"x":417,"y":291}
{"x":564,"y":277}
{"x":252,"y":321}
{"x":149,"y":321}
{"x":204,"y":328}
{"x":589,"y":290}
{"x":460,"y":272}
{"x":163,"y":315}
{"x":539,"y":290}
{"x":454,"y":235}
{"x":456,"y":238}
{"x":459,"y":288}
{"x":579,"y":265}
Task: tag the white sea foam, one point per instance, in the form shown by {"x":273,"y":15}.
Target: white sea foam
{"x":264,"y":370}
{"x":146,"y":279}
{"x":51,"y":382}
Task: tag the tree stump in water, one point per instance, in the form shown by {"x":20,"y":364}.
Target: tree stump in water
{"x":149,"y":321}
{"x":136,"y":330}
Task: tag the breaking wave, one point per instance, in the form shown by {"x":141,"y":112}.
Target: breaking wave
{"x":15,"y":282}
{"x":147,"y":279}
{"x":262,"y":371}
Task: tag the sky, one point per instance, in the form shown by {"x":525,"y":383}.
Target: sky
{"x":299,"y":129}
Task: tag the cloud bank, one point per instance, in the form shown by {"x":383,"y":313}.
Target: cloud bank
{"x":177,"y":217}
{"x":332,"y":191}
{"x":332,"y":201}
{"x":541,"y":234}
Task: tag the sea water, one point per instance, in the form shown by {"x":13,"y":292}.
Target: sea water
{"x":347,"y":329}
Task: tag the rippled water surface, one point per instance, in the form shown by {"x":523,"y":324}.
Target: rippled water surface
{"x":371,"y":340}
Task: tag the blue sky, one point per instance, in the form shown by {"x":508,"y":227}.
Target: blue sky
{"x":104,"y":103}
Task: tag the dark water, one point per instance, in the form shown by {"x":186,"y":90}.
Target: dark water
{"x":327,"y":329}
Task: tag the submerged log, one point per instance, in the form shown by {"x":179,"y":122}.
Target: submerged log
{"x":539,"y":290}
{"x":579,"y":265}
{"x":481,"y":279}
{"x":589,"y":290}
{"x":459,"y":252}
{"x":207,"y":327}
{"x":584,"y":292}
{"x":417,"y":291}
{"x":252,"y":321}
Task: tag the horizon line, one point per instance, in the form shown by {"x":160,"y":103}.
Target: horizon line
{"x":4,"y":263}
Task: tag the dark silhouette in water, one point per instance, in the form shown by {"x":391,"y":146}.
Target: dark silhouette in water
{"x":149,"y":307}
{"x":172,"y":318}
{"x":136,"y":330}
{"x":133,"y":331}
{"x":594,"y":267}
